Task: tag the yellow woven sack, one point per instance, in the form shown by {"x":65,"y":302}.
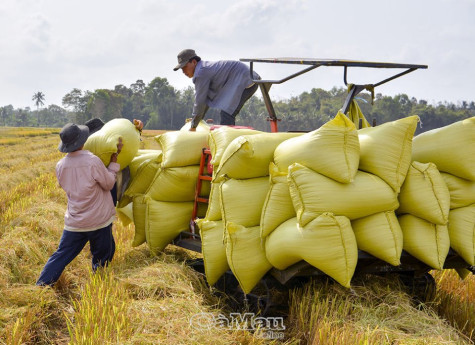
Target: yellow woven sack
{"x":164,"y":221}
{"x":278,"y":205}
{"x":242,"y":200}
{"x":142,"y":180}
{"x":202,"y":126}
{"x":248,"y":156}
{"x":463,"y":272}
{"x":214,"y":202}
{"x":355,"y":115}
{"x":245,"y":255}
{"x":139,"y":209}
{"x":332,"y":150}
{"x":327,"y":243}
{"x":103,"y":143}
{"x":424,"y":194}
{"x":462,"y":192}
{"x":451,"y":148}
{"x":174,"y":184}
{"x":462,"y":232}
{"x":201,"y":210}
{"x":425,"y":241}
{"x":125,"y":214}
{"x":144,"y":156}
{"x":182,"y":148}
{"x":213,"y":249}
{"x":205,"y":188}
{"x":220,"y":138}
{"x":385,"y":150}
{"x":380,"y":235}
{"x":313,"y":194}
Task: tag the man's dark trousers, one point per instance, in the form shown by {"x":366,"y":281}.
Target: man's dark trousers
{"x":230,"y":120}
{"x":102,"y":249}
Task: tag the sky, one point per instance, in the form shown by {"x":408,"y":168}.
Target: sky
{"x":54,"y":46}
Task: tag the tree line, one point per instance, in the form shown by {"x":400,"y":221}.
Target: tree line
{"x":160,"y":106}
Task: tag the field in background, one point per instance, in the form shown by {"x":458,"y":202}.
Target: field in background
{"x":146,"y":299}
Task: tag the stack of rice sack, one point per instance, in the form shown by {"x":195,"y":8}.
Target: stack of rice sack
{"x":162,"y":187}
{"x":142,"y":170}
{"x":212,"y":225}
{"x":341,"y":186}
{"x":279,"y":198}
{"x":423,"y":214}
{"x":385,"y":153}
{"x":131,"y":207}
{"x":452,"y":150}
{"x":298,"y":222}
{"x":243,"y":173}
{"x":325,"y":198}
{"x":169,"y":199}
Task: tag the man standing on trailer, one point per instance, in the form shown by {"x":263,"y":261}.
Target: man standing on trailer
{"x":225,"y":85}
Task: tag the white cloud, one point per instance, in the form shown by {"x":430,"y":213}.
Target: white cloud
{"x":37,"y":30}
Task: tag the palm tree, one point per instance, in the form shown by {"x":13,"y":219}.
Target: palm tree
{"x":38,"y":97}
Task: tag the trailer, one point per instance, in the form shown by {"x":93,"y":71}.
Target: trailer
{"x":414,"y":273}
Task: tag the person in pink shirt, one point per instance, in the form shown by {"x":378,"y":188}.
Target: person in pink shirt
{"x":90,"y":211}
{"x":96,"y":124}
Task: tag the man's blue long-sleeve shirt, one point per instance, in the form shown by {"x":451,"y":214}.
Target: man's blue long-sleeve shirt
{"x":219,"y":84}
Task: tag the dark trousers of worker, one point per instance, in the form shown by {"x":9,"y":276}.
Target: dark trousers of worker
{"x":102,"y":249}
{"x":230,"y":119}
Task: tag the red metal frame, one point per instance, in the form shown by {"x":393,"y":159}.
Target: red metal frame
{"x":205,"y":158}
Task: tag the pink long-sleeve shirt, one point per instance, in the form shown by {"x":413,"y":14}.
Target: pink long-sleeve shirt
{"x":87,"y":183}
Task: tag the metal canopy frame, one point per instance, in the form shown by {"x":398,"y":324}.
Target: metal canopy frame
{"x":312,"y":64}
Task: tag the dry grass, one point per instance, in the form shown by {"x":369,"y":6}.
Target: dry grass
{"x":375,"y":311}
{"x":27,"y":131}
{"x":145,"y":299}
{"x":14,"y":135}
{"x":100,"y":313}
{"x":455,"y":300}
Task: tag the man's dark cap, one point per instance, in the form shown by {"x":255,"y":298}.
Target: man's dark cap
{"x":183,"y":57}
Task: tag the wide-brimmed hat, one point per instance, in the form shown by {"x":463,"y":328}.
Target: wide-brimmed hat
{"x":183,"y":57}
{"x":72,"y":137}
{"x":94,"y":125}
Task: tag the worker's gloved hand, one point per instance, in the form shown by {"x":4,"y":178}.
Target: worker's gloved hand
{"x":116,"y":154}
{"x":138,"y":124}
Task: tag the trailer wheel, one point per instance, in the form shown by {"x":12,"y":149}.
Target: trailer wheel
{"x":422,"y":287}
